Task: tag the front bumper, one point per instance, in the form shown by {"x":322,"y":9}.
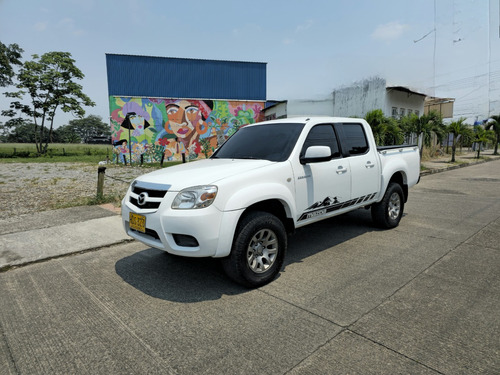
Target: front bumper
{"x":166,"y":229}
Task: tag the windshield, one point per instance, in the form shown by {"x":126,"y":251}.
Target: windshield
{"x":273,"y":142}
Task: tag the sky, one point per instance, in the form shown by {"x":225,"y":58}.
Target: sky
{"x":445,"y":48}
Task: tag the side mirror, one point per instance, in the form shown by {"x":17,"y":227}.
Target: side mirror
{"x":316,"y":154}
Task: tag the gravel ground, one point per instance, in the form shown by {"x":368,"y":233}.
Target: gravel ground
{"x":32,"y":187}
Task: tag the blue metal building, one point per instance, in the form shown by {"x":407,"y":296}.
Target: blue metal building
{"x":166,"y":77}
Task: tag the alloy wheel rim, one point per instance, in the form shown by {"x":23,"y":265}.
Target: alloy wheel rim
{"x":262,"y":251}
{"x":394,"y":206}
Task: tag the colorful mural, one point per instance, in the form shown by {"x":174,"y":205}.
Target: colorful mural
{"x":155,"y":130}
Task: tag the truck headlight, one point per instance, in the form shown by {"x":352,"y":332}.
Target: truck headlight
{"x":195,"y":197}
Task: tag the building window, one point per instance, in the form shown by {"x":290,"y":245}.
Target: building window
{"x":410,"y":111}
{"x":417,"y":112}
{"x":394,"y":112}
{"x":402,"y":112}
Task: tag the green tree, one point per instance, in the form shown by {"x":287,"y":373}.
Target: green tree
{"x":17,"y":131}
{"x":457,"y":129}
{"x":467,"y":137}
{"x":49,"y":81}
{"x":482,"y":136}
{"x":66,"y":134}
{"x":378,"y":123}
{"x":9,"y":55}
{"x":494,"y":124}
{"x":90,"y":127}
{"x":425,"y":126}
{"x":394,"y":133}
{"x":407,"y":125}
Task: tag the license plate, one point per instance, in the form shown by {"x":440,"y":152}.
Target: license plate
{"x":137,"y":222}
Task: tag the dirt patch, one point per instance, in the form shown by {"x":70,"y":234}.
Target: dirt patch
{"x":33,"y":187}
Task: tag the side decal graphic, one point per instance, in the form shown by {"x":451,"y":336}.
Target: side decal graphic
{"x":330,"y":204}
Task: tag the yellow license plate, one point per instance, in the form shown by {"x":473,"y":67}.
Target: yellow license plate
{"x":137,"y":222}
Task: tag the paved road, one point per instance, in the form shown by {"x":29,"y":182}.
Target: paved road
{"x":423,"y":298}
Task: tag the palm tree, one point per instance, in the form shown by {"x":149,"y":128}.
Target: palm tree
{"x":482,"y":136}
{"x":394,"y":133}
{"x":425,"y":126}
{"x":378,"y":123}
{"x":457,"y":128}
{"x":494,"y":124}
{"x":407,"y":126}
{"x":467,"y":137}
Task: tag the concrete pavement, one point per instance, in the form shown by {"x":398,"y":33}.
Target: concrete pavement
{"x":50,"y":234}
{"x":419,"y":299}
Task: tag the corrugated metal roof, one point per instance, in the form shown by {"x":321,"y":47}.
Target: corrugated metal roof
{"x":405,"y":89}
{"x":167,"y":77}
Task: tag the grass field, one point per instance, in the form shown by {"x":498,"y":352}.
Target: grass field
{"x":67,"y":152}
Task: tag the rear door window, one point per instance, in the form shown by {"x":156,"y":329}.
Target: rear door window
{"x":355,"y":142}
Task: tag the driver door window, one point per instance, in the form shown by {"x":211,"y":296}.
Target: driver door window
{"x":322,"y":187}
{"x":322,"y":135}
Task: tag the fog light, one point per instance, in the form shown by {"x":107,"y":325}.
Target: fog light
{"x":185,"y":240}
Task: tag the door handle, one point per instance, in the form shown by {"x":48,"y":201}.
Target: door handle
{"x":369,"y":164}
{"x":341,"y":170}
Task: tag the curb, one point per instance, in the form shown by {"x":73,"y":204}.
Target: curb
{"x":9,"y":267}
{"x":452,"y":167}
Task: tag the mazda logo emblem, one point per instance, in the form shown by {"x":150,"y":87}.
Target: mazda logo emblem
{"x":141,"y":199}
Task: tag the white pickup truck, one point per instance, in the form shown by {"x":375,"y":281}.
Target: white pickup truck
{"x":264,"y":182}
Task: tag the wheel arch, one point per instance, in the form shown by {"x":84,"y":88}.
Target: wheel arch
{"x":400,"y":178}
{"x":275,"y":207}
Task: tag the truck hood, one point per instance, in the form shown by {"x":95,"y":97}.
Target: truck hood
{"x":202,"y":172}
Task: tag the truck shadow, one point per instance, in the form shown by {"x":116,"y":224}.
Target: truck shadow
{"x":177,"y":279}
{"x":191,"y":280}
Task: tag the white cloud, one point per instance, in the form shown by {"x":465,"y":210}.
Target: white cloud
{"x":40,"y":26}
{"x":389,"y":31}
{"x":70,"y":26}
{"x":304,"y":26}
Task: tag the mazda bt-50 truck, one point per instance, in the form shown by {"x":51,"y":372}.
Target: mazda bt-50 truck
{"x":265,"y":181}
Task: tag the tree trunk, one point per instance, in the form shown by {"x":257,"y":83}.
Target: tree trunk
{"x":49,"y":138}
{"x":36,"y":138}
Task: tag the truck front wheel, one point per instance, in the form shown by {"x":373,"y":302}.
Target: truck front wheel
{"x":388,"y":212}
{"x":258,"y":250}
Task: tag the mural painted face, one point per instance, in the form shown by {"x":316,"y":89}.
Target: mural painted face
{"x":183,"y":117}
{"x":200,"y":126}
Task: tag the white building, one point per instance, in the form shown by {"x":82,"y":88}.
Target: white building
{"x":354,"y":101}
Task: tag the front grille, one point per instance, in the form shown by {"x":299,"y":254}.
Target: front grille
{"x":147,"y":195}
{"x":146,"y":205}
{"x":152,"y":193}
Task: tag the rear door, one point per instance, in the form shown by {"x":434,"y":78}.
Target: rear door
{"x":362,"y":160}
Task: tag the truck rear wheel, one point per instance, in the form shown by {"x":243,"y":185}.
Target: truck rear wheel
{"x":258,"y":250}
{"x":389,"y":211}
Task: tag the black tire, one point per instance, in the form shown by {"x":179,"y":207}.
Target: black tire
{"x":389,"y":211}
{"x":258,"y":250}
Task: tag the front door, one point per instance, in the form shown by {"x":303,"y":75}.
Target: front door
{"x":322,"y":188}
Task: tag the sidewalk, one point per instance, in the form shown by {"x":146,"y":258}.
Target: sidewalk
{"x":464,"y":159}
{"x":51,"y":234}
{"x":46,"y":235}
